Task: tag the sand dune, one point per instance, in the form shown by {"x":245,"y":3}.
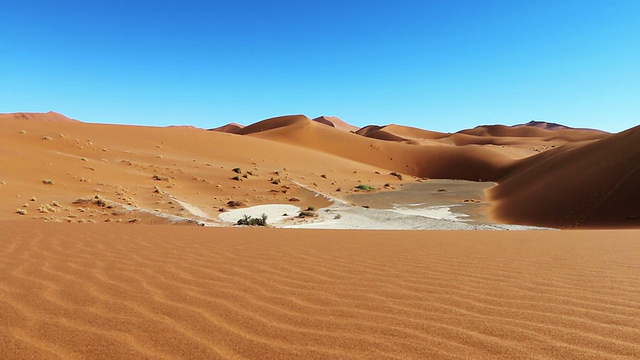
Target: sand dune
{"x":435,"y":161}
{"x":535,"y":131}
{"x":593,"y":184}
{"x":231,"y":128}
{"x":138,"y":292}
{"x":336,"y":123}
{"x":79,"y":172}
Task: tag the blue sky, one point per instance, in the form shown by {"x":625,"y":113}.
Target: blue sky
{"x":435,"y":64}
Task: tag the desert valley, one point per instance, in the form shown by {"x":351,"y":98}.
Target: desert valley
{"x":380,"y":242}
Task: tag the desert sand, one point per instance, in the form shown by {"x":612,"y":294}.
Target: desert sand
{"x":94,"y":265}
{"x":117,"y":291}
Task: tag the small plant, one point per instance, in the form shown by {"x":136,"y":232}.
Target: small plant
{"x":307,"y":213}
{"x":338,"y":216}
{"x":160,"y":178}
{"x":237,"y":170}
{"x":442,"y":190}
{"x":311,"y":208}
{"x":21,"y":211}
{"x":47,"y":182}
{"x":247,"y":220}
{"x":365,"y":187}
{"x":236,"y":178}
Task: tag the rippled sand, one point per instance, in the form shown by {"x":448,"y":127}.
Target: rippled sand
{"x":109,"y":291}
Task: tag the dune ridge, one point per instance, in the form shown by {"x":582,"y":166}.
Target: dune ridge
{"x":109,"y":291}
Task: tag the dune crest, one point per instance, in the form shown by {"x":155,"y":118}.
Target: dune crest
{"x":336,"y":123}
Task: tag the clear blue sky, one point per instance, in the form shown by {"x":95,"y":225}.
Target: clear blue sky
{"x":437,"y":64}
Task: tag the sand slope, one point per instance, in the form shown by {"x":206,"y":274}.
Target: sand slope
{"x":163,"y":292}
{"x":593,"y":184}
{"x":432,"y":161}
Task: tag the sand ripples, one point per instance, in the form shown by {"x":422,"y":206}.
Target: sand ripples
{"x":173,"y":292}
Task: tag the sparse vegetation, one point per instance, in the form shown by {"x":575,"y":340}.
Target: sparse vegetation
{"x":311,"y":208}
{"x":247,"y":220}
{"x":307,"y":213}
{"x":233,"y":203}
{"x":399,"y":176}
{"x":47,"y":182}
{"x":236,"y":178}
{"x":338,"y":216}
{"x":96,"y":200}
{"x":442,"y":190}
{"x":365,"y":187}
{"x":21,"y":211}
{"x":237,"y":170}
{"x":160,"y":178}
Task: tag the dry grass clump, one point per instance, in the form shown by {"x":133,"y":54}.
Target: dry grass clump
{"x":96,"y":200}
{"x":247,"y":220}
{"x":47,"y":182}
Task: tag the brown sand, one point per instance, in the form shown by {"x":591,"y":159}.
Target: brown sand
{"x":596,"y":184}
{"x":134,"y":292}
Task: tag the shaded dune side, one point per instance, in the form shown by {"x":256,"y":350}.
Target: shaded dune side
{"x":593,"y":184}
{"x":439,"y":161}
{"x":140,"y":292}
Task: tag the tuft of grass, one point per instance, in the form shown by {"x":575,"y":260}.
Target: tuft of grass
{"x":160,"y":178}
{"x":47,"y":182}
{"x":338,"y":216}
{"x":21,"y":211}
{"x":237,"y":170}
{"x":442,"y":190}
{"x":365,"y":187}
{"x":247,"y":220}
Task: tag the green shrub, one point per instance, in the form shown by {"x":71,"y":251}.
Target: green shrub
{"x":365,"y":187}
{"x":249,"y":221}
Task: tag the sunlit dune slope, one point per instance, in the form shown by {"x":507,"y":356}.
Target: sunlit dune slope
{"x":146,"y":166}
{"x":592,"y":184}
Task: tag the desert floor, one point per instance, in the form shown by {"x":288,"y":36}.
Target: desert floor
{"x":91,"y":291}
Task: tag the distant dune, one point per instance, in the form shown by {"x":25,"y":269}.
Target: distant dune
{"x":548,"y":174}
{"x":336,"y":123}
{"x":231,"y":128}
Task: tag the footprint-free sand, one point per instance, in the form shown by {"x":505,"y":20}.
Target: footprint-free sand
{"x":92,"y":291}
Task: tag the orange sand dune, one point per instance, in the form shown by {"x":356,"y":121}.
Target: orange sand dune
{"x":165,"y":292}
{"x":145,"y":167}
{"x":469,"y":163}
{"x":534,"y":131}
{"x":593,"y":184}
{"x":231,"y":128}
{"x":336,"y":123}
